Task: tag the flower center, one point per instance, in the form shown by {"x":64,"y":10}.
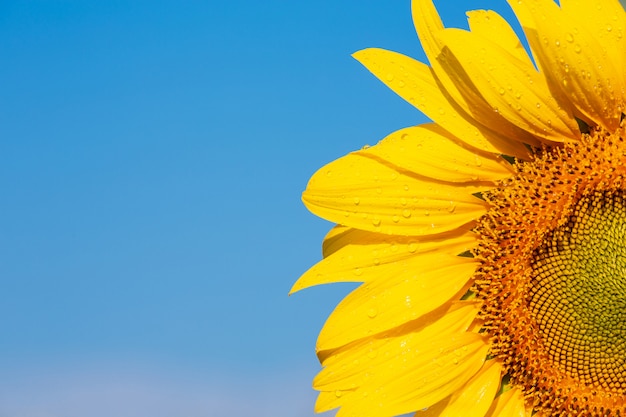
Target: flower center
{"x":577,"y":294}
{"x":552,"y":276}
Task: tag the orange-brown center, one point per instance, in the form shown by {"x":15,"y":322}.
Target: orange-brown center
{"x":552,"y":275}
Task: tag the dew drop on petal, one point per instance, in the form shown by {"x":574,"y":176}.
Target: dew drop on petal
{"x":371,"y":313}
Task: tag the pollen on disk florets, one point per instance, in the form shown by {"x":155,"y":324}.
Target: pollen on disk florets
{"x":553,"y":237}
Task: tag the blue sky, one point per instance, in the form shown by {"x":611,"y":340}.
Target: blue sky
{"x":152,"y":157}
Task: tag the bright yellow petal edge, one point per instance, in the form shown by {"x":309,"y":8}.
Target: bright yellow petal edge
{"x":446,"y":224}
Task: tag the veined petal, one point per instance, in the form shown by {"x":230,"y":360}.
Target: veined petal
{"x":457,"y":84}
{"x":474,"y":398}
{"x":508,"y":404}
{"x":416,"y":83}
{"x":491,"y":25}
{"x":353,"y":255}
{"x":407,"y":372}
{"x":431,"y":151}
{"x":511,"y":86}
{"x":367,"y":194}
{"x":584,"y":60}
{"x":402,"y":292}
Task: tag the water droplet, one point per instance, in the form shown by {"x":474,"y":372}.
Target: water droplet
{"x":357,"y":200}
{"x":358,"y":272}
{"x":376,"y":221}
{"x":371,"y":313}
{"x":501,"y":91}
{"x":538,"y":105}
{"x":452,"y":207}
{"x":406,"y":213}
{"x":403,"y":201}
{"x":376,"y":261}
{"x":395,"y":218}
{"x":390,"y":77}
{"x":412,"y":247}
{"x":401,"y":84}
{"x":577,"y":49}
{"x":338,"y":394}
{"x":442,"y":111}
{"x":557,"y":43}
{"x":609,"y":28}
{"x":569,"y":37}
{"x":426,"y":213}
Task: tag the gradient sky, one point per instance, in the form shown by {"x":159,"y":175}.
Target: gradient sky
{"x":152,"y":157}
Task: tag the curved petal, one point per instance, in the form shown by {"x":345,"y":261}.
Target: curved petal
{"x":400,"y":373}
{"x":456,"y":84}
{"x":416,"y":83}
{"x":491,"y":25}
{"x":354,"y":255}
{"x":431,"y":151}
{"x":368,"y":194}
{"x":402,"y":292}
{"x":508,"y":404}
{"x":474,"y":398}
{"x":512,"y":87}
{"x":579,"y":53}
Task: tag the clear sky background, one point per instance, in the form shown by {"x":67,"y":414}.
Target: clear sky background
{"x":152,"y":157}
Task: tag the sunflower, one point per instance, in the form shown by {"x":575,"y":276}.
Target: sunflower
{"x":490,"y":243}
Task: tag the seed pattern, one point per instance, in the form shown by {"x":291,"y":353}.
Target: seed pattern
{"x":552,"y":277}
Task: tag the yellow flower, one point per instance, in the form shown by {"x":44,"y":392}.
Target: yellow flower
{"x":491,"y":243}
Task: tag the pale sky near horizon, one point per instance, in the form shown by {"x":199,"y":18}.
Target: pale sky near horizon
{"x":152,"y":157}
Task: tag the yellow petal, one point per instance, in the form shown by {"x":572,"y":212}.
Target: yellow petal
{"x":431,"y":151}
{"x":491,"y":25}
{"x":402,"y":292}
{"x":416,"y":83}
{"x":354,"y":255}
{"x":364,"y":193}
{"x":605,"y":20}
{"x":511,"y":86}
{"x":508,"y":404}
{"x":329,"y":400}
{"x":406,"y":372}
{"x":473,"y":399}
{"x":456,"y":83}
{"x":579,"y":54}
